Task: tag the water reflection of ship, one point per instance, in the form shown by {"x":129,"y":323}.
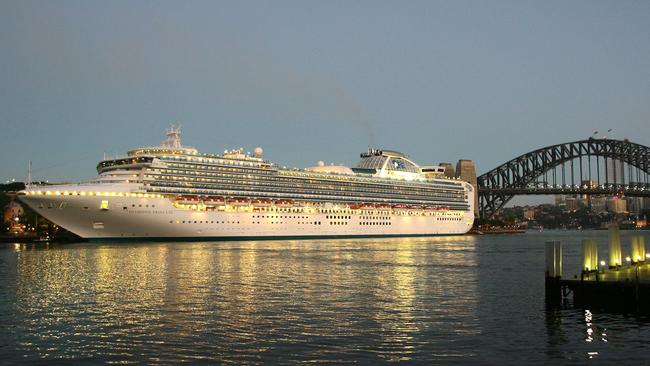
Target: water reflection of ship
{"x":244,"y":292}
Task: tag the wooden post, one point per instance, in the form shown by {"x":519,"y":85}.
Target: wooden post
{"x":553,"y":273}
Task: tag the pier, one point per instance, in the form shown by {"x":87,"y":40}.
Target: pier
{"x":621,"y":284}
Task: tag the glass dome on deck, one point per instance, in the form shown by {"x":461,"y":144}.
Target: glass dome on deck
{"x":386,"y":159}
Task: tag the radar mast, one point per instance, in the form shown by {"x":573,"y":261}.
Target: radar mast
{"x":173,"y":140}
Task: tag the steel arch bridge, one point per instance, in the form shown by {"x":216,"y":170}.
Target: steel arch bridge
{"x":590,"y":167}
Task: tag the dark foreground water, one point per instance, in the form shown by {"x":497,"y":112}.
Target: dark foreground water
{"x":458,"y":300}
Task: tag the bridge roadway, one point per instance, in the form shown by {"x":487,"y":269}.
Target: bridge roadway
{"x":637,"y":191}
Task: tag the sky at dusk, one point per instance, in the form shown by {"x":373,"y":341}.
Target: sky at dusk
{"x":316,"y":80}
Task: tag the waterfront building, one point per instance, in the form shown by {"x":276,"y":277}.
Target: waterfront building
{"x":12,"y":211}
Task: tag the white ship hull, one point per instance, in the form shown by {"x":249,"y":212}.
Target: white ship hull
{"x":133,"y":217}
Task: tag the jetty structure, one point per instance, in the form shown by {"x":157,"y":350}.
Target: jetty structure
{"x":619,"y":283}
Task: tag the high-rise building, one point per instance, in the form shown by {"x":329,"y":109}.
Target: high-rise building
{"x":466,"y":171}
{"x":646,"y":203}
{"x":616,"y":171}
{"x":597,"y":204}
{"x":634,"y":204}
{"x":571,"y":204}
{"x":616,"y":205}
{"x":529,"y":213}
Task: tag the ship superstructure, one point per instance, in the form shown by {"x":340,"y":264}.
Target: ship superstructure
{"x":172,"y":191}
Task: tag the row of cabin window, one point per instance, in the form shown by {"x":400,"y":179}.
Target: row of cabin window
{"x":201,"y":222}
{"x":322,"y":192}
{"x":323,"y":187}
{"x":125,"y":207}
{"x":282,"y":222}
{"x":174,"y":189}
{"x":278,"y":217}
{"x":200,"y":168}
{"x":266,"y":176}
{"x":235,"y":189}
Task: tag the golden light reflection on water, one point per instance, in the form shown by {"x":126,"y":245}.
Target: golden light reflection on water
{"x":391,"y":299}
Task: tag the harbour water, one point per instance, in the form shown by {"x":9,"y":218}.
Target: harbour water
{"x":441,"y":300}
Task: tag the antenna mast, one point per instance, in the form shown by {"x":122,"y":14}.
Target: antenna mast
{"x":29,"y":175}
{"x":173,"y":137}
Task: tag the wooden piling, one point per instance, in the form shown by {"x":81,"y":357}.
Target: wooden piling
{"x":553,"y":271}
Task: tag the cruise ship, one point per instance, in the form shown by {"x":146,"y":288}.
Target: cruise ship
{"x":175,"y":192}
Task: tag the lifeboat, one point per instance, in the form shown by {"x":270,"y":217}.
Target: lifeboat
{"x":362,"y":206}
{"x":284,"y":203}
{"x":213,"y":200}
{"x":436,"y":208}
{"x":400,"y":207}
{"x":187,"y":199}
{"x":261,"y":202}
{"x":382,"y":206}
{"x":238,"y":201}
